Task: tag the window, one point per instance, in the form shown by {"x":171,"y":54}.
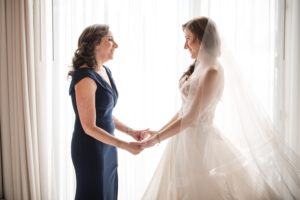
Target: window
{"x":147,"y":65}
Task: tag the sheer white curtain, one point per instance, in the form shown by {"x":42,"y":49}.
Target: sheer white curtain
{"x":288,"y":72}
{"x":146,"y":68}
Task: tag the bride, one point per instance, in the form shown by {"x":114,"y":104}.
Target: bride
{"x":199,"y":162}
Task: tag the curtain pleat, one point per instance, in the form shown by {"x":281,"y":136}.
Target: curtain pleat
{"x":23,"y":155}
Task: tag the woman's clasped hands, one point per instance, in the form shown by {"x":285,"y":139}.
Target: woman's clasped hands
{"x":144,"y":139}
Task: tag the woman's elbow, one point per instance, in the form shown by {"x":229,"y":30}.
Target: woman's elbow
{"x":89,"y":128}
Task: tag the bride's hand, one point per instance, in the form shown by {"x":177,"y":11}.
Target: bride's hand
{"x":154,"y":139}
{"x":138,"y":135}
{"x":146,"y":134}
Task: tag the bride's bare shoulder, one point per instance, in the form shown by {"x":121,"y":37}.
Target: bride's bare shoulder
{"x":216,"y":69}
{"x":214,"y":74}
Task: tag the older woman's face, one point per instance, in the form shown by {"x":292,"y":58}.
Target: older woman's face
{"x":191,"y":43}
{"x":105,"y":50}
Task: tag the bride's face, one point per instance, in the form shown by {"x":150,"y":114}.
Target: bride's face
{"x":191,"y":43}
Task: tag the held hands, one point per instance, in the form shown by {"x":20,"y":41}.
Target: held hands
{"x":138,"y":135}
{"x":133,"y":147}
{"x":152,"y":140}
{"x":145,"y":139}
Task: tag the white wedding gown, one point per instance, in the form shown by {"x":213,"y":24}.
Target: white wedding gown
{"x":186,"y":169}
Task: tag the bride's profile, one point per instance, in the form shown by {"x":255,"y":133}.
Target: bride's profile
{"x":199,"y":161}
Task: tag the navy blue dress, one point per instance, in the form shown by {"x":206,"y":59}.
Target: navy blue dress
{"x":95,"y":163}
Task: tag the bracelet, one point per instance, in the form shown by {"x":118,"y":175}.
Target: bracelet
{"x":157,"y":137}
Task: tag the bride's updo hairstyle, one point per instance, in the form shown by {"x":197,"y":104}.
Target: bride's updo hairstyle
{"x":205,"y":31}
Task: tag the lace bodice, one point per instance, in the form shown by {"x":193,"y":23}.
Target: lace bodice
{"x":187,"y":87}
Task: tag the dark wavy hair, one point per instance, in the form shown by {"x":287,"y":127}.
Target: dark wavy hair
{"x":89,"y":38}
{"x":211,"y":44}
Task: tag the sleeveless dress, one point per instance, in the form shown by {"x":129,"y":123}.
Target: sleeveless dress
{"x":185,"y":169}
{"x":95,"y":163}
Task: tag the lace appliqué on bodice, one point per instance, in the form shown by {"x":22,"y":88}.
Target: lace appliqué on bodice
{"x":187,"y":87}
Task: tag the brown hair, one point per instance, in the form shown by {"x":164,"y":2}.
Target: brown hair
{"x":89,"y":38}
{"x":211,"y":45}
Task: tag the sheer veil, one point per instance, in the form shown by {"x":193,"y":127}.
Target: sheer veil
{"x":225,"y":100}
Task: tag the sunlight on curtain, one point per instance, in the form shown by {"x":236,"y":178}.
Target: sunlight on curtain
{"x":146,"y":68}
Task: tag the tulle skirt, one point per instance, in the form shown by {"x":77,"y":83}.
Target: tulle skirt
{"x":199,"y":164}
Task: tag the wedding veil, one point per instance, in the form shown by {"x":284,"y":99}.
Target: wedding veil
{"x":241,"y":123}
